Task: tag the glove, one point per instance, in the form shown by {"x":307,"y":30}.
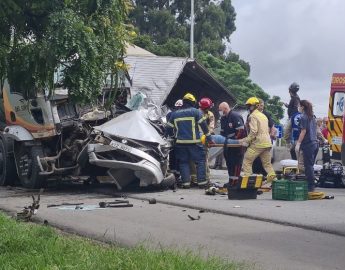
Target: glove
{"x":297,"y":147}
{"x":243,"y":143}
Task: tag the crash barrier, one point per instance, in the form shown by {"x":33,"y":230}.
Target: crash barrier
{"x":290,"y":189}
{"x":244,"y":187}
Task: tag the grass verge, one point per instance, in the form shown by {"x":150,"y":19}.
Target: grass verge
{"x":31,"y":246}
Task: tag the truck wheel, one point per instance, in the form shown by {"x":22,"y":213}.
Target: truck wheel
{"x":27,"y":166}
{"x":8,"y":173}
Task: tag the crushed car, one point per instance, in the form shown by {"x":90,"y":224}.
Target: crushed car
{"x":131,"y":147}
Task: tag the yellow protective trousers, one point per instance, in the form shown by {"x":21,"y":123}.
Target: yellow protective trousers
{"x":265,"y":155}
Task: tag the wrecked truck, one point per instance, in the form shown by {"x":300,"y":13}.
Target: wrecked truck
{"x":45,"y":138}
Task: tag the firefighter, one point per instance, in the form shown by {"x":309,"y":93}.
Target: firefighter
{"x":188,"y":147}
{"x":258,"y":141}
{"x":232,"y":127}
{"x":205,"y":106}
{"x":257,"y":165}
{"x":173,"y":162}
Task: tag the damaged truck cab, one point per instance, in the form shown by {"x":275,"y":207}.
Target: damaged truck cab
{"x":44,"y":137}
{"x":40,"y":137}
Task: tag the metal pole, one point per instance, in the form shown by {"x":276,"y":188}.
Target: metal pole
{"x":192,"y":30}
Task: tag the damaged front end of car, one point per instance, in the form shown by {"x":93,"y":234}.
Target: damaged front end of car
{"x":130,"y":148}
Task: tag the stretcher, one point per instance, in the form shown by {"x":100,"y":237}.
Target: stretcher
{"x":222,"y":145}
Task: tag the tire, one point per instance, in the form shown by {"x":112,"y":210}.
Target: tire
{"x":28,"y":167}
{"x":343,"y":154}
{"x":343,"y":181}
{"x":8,"y":172}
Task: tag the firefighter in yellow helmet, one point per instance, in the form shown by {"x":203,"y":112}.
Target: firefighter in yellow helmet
{"x":258,"y":141}
{"x":185,"y":122}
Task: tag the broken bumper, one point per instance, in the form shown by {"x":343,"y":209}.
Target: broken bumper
{"x":143,"y":167}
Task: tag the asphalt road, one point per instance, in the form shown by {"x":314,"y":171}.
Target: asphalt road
{"x":259,"y":244}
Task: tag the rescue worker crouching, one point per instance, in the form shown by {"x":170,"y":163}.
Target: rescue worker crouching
{"x":186,"y":122}
{"x":258,"y":141}
{"x":205,"y":105}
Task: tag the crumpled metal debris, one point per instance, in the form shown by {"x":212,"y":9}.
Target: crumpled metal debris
{"x":28,"y":211}
{"x":115,"y":204}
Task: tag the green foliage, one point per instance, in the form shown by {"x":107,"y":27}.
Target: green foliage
{"x":82,"y":38}
{"x":236,"y":78}
{"x":173,"y":47}
{"x":167,"y":22}
{"x":28,"y":246}
{"x":164,"y":29}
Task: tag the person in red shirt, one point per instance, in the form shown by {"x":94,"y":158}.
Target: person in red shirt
{"x":324,"y":129}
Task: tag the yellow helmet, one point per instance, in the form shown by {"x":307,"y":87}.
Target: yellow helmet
{"x":189,"y":97}
{"x":252,"y":101}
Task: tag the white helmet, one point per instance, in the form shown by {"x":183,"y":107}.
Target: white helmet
{"x":179,"y":103}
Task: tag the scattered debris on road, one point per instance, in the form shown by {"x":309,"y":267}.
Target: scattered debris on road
{"x":28,"y":211}
{"x":329,"y":197}
{"x":115,"y":204}
{"x":63,"y":204}
{"x":193,"y":218}
{"x":152,"y":201}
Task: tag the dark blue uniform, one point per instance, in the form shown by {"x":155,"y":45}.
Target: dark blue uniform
{"x":295,"y":126}
{"x":232,"y":127}
{"x":185,"y":122}
{"x":310,"y":147}
{"x":295,"y":131}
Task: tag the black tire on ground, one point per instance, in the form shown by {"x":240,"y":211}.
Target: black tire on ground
{"x":27,"y":165}
{"x":343,"y":154}
{"x":8,"y":172}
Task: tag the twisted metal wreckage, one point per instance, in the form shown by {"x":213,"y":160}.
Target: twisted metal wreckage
{"x":46,"y":136}
{"x":54,"y":140}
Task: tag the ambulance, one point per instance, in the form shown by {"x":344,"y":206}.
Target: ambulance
{"x":336,"y":135}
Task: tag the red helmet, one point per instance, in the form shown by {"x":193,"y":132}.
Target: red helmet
{"x":205,"y":103}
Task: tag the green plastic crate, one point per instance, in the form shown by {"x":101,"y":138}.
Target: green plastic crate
{"x":290,"y":190}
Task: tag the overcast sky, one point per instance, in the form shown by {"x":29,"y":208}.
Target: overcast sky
{"x":292,"y":40}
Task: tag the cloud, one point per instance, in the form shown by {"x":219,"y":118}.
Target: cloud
{"x":286,"y":41}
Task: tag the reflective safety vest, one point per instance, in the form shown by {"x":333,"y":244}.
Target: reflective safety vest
{"x":186,"y":124}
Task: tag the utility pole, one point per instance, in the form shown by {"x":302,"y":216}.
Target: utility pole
{"x":192,"y":30}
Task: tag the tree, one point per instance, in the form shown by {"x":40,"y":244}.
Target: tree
{"x":235,"y":77}
{"x":164,"y":28}
{"x":165,"y":20}
{"x":82,"y":38}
